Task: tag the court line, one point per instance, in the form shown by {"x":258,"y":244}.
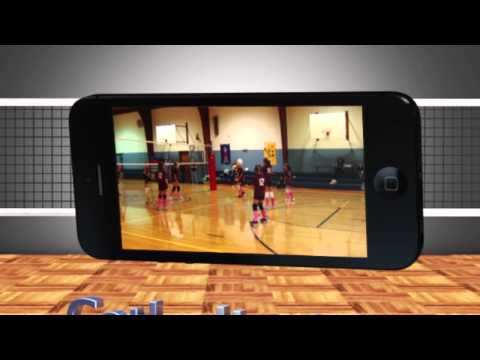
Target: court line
{"x":261,"y":241}
{"x":169,"y":241}
{"x":216,"y":235}
{"x":333,"y":214}
{"x":311,"y":227}
{"x":307,"y":226}
{"x":329,"y":217}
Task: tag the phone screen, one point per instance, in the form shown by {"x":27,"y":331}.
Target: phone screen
{"x":286,"y":180}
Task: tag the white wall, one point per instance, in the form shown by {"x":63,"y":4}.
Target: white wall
{"x":178,"y":116}
{"x":246,"y":127}
{"x":299,"y":128}
{"x":126,"y":127}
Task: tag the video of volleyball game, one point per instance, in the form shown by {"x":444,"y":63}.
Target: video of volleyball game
{"x":283,"y":180}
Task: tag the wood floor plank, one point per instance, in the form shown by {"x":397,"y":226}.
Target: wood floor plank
{"x":46,"y":284}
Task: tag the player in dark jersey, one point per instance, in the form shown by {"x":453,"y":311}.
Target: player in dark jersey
{"x":176,"y":182}
{"x":258,"y":196}
{"x":269,"y":195}
{"x":239,"y":174}
{"x":287,"y":180}
{"x":162,"y":186}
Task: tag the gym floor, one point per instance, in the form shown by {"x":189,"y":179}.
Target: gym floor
{"x":45,"y":284}
{"x":321,"y":222}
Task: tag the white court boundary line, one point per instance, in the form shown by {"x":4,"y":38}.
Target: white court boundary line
{"x":70,"y":101}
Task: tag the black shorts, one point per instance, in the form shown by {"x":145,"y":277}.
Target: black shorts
{"x":259,"y":195}
{"x":162,"y":186}
{"x":268,"y":182}
{"x":146,"y":178}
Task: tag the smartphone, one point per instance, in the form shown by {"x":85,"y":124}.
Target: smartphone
{"x":287,"y":179}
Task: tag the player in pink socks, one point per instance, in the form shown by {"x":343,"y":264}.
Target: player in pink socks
{"x":175,"y":193}
{"x":162,"y":186}
{"x":240,"y":178}
{"x":268,"y":172}
{"x":258,"y":197}
{"x":287,"y":179}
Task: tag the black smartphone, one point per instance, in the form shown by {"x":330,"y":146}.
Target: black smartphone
{"x":295,"y":179}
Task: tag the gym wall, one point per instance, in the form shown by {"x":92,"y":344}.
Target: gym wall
{"x":246,"y":129}
{"x":309,"y":156}
{"x":126,"y":127}
{"x":178,"y":116}
{"x":299,"y":136}
{"x":135,"y":151}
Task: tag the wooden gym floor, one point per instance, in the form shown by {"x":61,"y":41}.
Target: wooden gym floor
{"x":45,"y":284}
{"x":320,"y":222}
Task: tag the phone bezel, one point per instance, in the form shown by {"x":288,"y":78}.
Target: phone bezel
{"x":391,"y":122}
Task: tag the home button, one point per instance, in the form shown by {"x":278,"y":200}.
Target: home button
{"x":387,"y":180}
{"x":391,"y":183}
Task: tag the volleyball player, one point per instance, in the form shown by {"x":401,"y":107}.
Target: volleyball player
{"x":287,"y":179}
{"x":162,"y":186}
{"x":239,"y":174}
{"x":176,"y":182}
{"x":268,"y":172}
{"x":259,"y":196}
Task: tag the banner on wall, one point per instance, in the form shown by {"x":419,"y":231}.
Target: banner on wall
{"x":270,"y":152}
{"x":225,"y":154}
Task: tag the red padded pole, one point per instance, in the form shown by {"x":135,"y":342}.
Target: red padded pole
{"x":212,"y":171}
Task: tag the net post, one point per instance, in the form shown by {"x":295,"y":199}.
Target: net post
{"x":212,"y":169}
{"x":212,"y":172}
